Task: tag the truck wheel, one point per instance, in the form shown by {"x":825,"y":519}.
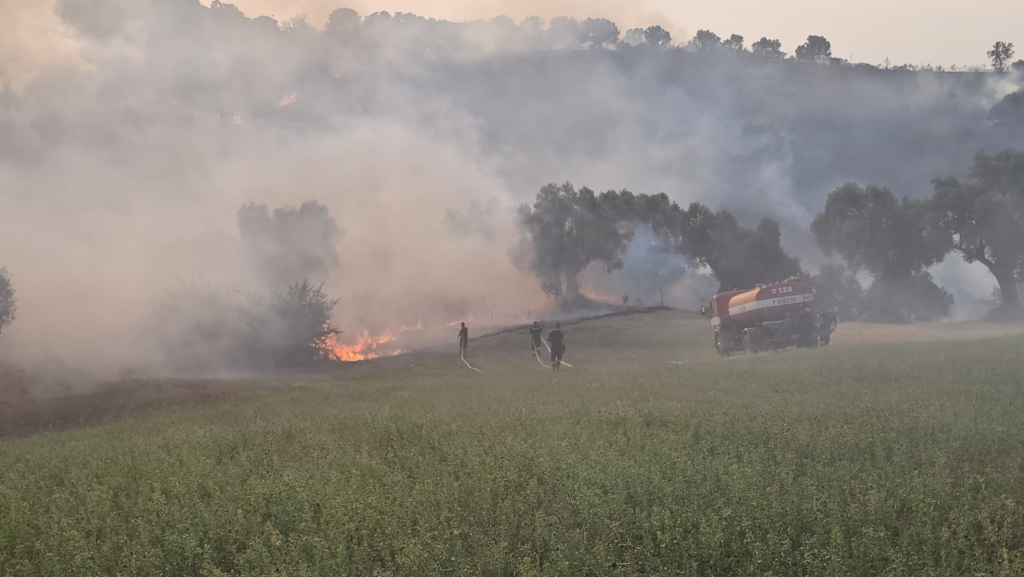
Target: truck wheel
{"x":719,"y":347}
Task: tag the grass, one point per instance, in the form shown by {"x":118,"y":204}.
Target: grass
{"x":652,"y":457}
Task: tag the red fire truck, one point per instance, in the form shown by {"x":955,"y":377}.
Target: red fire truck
{"x":769,"y":317}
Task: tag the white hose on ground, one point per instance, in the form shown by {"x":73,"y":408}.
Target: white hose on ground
{"x":462,"y":353}
{"x":536,"y":353}
{"x":549,"y":350}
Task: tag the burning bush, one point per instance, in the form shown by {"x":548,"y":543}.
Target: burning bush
{"x":291,"y":328}
{"x":8,"y":304}
{"x":202,"y":328}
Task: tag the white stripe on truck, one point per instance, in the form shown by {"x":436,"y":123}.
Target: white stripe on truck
{"x":771,"y":303}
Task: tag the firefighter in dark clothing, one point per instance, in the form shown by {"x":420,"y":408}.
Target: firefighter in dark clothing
{"x":557,"y":340}
{"x":463,"y":339}
{"x":535,"y":337}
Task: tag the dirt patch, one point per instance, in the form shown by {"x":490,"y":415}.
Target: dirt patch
{"x":22,"y":414}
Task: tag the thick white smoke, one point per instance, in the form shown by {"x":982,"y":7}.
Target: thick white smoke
{"x":133,"y":131}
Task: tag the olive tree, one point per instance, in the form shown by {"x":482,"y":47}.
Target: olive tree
{"x":983,"y":217}
{"x":563,"y":232}
{"x":737,"y":255}
{"x":891,"y":239}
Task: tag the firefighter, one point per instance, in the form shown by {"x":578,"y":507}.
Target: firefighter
{"x":830,"y":319}
{"x":463,"y":340}
{"x":557,"y":340}
{"x":535,"y":337}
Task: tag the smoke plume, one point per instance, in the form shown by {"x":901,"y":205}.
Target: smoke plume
{"x":132,"y":132}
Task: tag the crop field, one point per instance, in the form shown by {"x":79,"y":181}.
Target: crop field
{"x":898,"y":450}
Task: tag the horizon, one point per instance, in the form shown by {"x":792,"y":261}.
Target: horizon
{"x":940,"y":36}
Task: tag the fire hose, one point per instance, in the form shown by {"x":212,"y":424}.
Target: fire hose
{"x":546,"y":345}
{"x":536,"y":354}
{"x":462,"y":353}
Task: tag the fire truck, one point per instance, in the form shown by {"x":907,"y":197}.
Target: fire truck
{"x":769,"y":317}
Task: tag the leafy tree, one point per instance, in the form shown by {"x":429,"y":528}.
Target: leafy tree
{"x":768,"y":49}
{"x":1000,"y":55}
{"x":872,"y":230}
{"x":635,"y":37}
{"x":503,"y":22}
{"x":706,"y":40}
{"x":1018,"y":67}
{"x":917,"y":298}
{"x":298,"y":25}
{"x":226,"y":12}
{"x":657,"y":36}
{"x":533,"y":25}
{"x":983,"y":217}
{"x":565,"y":32}
{"x":838,"y":289}
{"x":739,"y":257}
{"x":816,"y":49}
{"x":563,"y":232}
{"x":266,"y":25}
{"x":343,"y":20}
{"x":734,"y":43}
{"x":292,"y":244}
{"x":289,"y":330}
{"x":378,"y":18}
{"x":8,"y":303}
{"x":599,"y":32}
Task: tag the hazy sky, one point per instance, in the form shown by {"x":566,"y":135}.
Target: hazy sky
{"x":906,"y":31}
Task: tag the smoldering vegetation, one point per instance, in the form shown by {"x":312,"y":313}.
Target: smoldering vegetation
{"x":403,"y":147}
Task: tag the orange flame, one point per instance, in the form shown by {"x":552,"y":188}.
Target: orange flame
{"x":289,"y":100}
{"x":418,"y":327}
{"x":365,"y":349}
{"x":367,"y":346}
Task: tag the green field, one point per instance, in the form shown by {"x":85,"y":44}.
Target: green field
{"x":896,"y":451}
